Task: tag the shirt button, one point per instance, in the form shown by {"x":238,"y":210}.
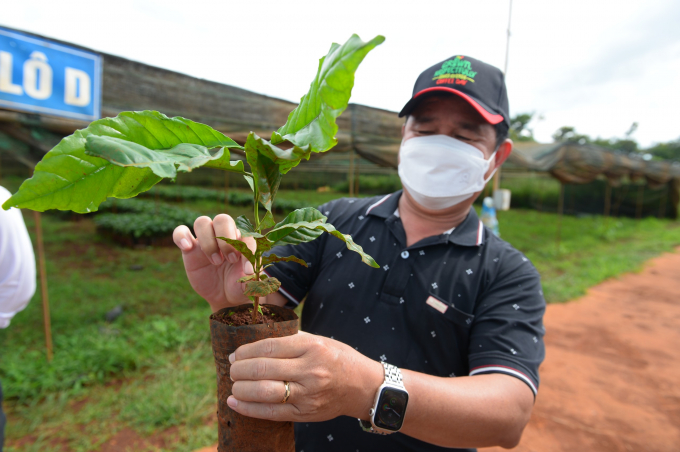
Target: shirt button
{"x":404,"y":254}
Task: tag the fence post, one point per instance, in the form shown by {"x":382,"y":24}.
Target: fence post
{"x":43,"y":285}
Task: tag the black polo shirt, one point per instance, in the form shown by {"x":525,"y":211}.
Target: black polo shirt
{"x":457,"y":304}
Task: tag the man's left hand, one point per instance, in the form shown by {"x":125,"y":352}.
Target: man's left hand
{"x":326,"y":379}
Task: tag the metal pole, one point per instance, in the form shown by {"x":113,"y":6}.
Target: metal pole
{"x":497,"y":176}
{"x":507,"y":42}
{"x":43,"y":285}
{"x":560,"y":212}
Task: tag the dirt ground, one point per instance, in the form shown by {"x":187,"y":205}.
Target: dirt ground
{"x":611,"y":378}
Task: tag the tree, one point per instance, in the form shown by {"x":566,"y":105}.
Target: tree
{"x":568,"y":133}
{"x":666,"y":151}
{"x":617,"y":144}
{"x":519,"y":130}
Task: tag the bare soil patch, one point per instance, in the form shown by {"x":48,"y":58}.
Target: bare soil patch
{"x":610,"y":378}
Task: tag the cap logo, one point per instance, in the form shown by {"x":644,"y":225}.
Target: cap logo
{"x":455,"y":72}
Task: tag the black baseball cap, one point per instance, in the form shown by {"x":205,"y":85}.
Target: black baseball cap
{"x":481,"y":84}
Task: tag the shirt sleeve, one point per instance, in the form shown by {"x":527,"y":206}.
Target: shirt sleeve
{"x":507,"y":332}
{"x":17,"y":263}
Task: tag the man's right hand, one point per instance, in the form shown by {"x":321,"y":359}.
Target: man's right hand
{"x":212,"y":265}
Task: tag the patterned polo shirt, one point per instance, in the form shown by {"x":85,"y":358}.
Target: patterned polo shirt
{"x":457,"y":304}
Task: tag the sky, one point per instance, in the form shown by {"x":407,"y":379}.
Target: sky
{"x":596,"y":65}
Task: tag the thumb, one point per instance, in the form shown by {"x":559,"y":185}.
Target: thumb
{"x":247,"y":266}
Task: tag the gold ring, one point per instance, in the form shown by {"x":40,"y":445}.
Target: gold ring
{"x":285,"y":397}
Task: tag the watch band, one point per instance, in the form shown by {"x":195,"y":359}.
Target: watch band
{"x":393,"y":377}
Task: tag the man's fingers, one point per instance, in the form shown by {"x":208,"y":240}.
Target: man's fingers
{"x":224,"y":226}
{"x":270,"y":411}
{"x":183,"y":238}
{"x":281,"y":347}
{"x":205,"y":234}
{"x":266,"y":391}
{"x":264,"y":369}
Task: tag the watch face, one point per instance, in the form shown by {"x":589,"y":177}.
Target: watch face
{"x":391,"y":409}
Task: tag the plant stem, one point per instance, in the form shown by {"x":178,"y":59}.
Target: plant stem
{"x":257,"y":213}
{"x":256,"y":301}
{"x":256,"y":306}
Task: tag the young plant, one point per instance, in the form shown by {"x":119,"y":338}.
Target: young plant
{"x":123,"y":156}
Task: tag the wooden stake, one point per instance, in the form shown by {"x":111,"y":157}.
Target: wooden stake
{"x":560,"y":212}
{"x":43,"y":285}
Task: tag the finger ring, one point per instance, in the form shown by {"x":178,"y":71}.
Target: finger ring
{"x":287,"y":394}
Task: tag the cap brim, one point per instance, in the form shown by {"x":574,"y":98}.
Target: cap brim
{"x":491,"y":118}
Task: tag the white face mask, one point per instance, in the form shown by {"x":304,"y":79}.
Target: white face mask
{"x":439,"y":171}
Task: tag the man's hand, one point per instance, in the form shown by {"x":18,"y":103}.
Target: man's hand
{"x":327,"y":379}
{"x":212,"y":265}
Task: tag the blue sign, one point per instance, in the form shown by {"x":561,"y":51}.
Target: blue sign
{"x":42,"y":76}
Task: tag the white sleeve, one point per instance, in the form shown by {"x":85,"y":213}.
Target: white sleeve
{"x":17,"y":263}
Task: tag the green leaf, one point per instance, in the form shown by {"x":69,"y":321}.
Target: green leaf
{"x":267,"y":221}
{"x":304,"y":225}
{"x":313,"y":121}
{"x":266,"y":174}
{"x":266,"y":260}
{"x":164,"y":163}
{"x":69,"y":179}
{"x":365,"y":258}
{"x":262,"y":288}
{"x":288,"y":231}
{"x":247,"y":278}
{"x":249,"y":179}
{"x":263,"y":244}
{"x":241,"y":247}
{"x":246,"y":227}
{"x":285,"y":159}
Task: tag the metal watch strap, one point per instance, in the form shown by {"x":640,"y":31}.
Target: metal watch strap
{"x":392,"y":376}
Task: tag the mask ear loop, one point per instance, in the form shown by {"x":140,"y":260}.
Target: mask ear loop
{"x":492,"y":158}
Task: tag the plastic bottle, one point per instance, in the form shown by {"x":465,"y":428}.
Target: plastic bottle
{"x":489,"y":216}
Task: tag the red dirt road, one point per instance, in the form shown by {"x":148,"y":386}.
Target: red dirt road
{"x":611,"y":378}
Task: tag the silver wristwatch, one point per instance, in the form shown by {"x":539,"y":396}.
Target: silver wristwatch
{"x":389,"y":406}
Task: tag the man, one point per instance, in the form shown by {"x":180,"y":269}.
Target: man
{"x":454,"y":310}
{"x":17,"y":273}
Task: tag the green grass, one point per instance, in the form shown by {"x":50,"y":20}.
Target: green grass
{"x":591,"y":248}
{"x":152,"y":370}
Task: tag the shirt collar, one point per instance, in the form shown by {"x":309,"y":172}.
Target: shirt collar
{"x":469,"y":233}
